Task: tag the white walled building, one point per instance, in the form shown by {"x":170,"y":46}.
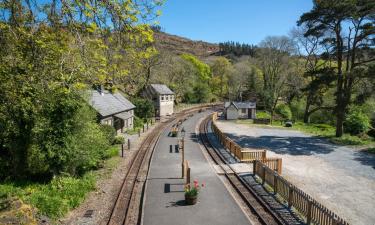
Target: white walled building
{"x":239,"y":110}
{"x":162,"y":97}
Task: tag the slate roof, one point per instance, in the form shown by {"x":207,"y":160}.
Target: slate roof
{"x":162,"y":89}
{"x":124,"y":115}
{"x":109,"y":104}
{"x":241,"y":105}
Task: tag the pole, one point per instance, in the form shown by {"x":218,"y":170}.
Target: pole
{"x":183,"y":156}
{"x":122,"y":150}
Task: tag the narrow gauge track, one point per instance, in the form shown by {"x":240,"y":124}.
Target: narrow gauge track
{"x":126,"y":209}
{"x":264,"y":214}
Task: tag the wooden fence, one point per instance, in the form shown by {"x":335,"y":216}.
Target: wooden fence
{"x":246,"y":155}
{"x":262,"y":121}
{"x":313,"y":211}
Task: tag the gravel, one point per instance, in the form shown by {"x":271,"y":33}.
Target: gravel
{"x":340,"y":177}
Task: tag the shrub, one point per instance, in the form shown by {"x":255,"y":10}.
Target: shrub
{"x":119,"y":140}
{"x":109,"y":132}
{"x":138,"y":122}
{"x":357,"y":122}
{"x":263,"y":115}
{"x":144,"y":108}
{"x":284,"y":111}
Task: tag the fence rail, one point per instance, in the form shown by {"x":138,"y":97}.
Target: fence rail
{"x":246,"y":155}
{"x":313,"y":211}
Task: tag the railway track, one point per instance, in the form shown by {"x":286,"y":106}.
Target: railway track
{"x":126,"y":209}
{"x":260,"y":209}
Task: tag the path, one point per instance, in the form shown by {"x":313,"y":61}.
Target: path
{"x":164,"y":197}
{"x":341,"y":178}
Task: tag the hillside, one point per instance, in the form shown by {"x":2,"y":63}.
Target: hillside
{"x":179,"y":45}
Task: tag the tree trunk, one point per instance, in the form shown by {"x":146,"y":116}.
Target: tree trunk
{"x":306,"y":115}
{"x":340,"y":117}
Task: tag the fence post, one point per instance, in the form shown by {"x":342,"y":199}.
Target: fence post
{"x":279,"y":165}
{"x":143,"y":128}
{"x":275,"y":177}
{"x":264,"y":155}
{"x":147,"y":124}
{"x":122,"y":150}
{"x":128,"y":144}
{"x":290,"y":199}
{"x":254,"y":167}
{"x":309,"y":211}
{"x":264,"y":174}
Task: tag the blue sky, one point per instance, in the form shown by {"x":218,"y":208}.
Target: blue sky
{"x":245,"y":21}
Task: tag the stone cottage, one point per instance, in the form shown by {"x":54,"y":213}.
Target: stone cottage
{"x":113,"y":109}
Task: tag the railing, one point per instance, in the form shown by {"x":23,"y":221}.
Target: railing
{"x":313,"y":211}
{"x":246,"y":155}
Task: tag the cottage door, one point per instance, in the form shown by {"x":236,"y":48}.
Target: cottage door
{"x":249,"y":113}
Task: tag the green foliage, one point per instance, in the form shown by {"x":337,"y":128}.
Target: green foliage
{"x":119,"y":139}
{"x":297,"y":108}
{"x":138,"y":122}
{"x":357,"y":122}
{"x":202,"y":69}
{"x":55,"y":198}
{"x":109,"y":132}
{"x":284,"y":111}
{"x":263,"y":115}
{"x":144,"y":108}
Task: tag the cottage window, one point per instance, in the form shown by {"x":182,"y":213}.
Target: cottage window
{"x":167,"y":97}
{"x":162,"y":97}
{"x":243,"y":111}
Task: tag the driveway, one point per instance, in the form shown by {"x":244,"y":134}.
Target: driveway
{"x":340,"y":177}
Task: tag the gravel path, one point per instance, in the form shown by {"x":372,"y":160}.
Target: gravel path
{"x":340,"y":177}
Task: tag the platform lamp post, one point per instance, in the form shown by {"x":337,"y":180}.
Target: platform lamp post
{"x":183,"y":150}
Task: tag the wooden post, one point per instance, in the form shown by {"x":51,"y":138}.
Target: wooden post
{"x":143,"y":128}
{"x":309,"y":211}
{"x":254,"y":167}
{"x":188,"y":176}
{"x":139,"y":132}
{"x":290,"y":199}
{"x":279,"y":165}
{"x":264,"y":174}
{"x":147,"y":124}
{"x":122,"y":150}
{"x":128,"y":144}
{"x":275,"y":177}
{"x":264,"y":155}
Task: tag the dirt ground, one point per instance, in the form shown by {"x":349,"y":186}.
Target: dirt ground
{"x":108,"y":186}
{"x":340,"y":177}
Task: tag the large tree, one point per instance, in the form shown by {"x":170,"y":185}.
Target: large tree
{"x":273,"y":60}
{"x":347,"y":27}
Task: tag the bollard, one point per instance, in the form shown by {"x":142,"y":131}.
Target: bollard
{"x":147,"y":124}
{"x":122,"y":150}
{"x":128,"y":144}
{"x":143,"y":128}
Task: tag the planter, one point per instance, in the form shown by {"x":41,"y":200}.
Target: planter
{"x":191,"y":200}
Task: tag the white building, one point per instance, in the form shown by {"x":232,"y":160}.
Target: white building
{"x":162,"y":97}
{"x":113,"y":109}
{"x":239,"y":110}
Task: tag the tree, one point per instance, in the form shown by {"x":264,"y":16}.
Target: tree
{"x":347,"y":27}
{"x":273,"y":61}
{"x":220,"y":70}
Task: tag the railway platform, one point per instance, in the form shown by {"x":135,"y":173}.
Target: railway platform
{"x":164,"y":192}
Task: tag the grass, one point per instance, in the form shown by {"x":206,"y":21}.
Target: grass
{"x":63,"y":193}
{"x":321,"y":130}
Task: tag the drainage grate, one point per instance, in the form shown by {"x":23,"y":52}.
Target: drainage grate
{"x":88,"y":213}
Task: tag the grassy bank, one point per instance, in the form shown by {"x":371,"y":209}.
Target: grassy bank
{"x":56,"y":197}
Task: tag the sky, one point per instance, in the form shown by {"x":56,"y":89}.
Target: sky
{"x":245,"y":21}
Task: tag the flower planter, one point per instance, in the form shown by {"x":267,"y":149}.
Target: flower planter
{"x":191,"y":200}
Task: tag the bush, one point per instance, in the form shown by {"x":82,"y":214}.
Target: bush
{"x":263,"y":115}
{"x":119,"y":140}
{"x":109,"y":132}
{"x":357,"y":122}
{"x":138,"y":122}
{"x":144,"y":108}
{"x":284,"y":111}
